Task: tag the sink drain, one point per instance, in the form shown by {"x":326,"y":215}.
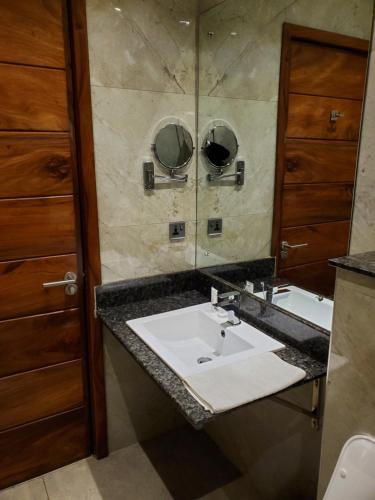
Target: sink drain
{"x":203,"y":359}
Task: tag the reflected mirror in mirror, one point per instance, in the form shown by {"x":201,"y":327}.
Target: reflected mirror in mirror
{"x":220,"y":147}
{"x":173,"y":146}
{"x":289,"y":78}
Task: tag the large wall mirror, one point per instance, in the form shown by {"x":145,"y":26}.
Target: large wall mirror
{"x":288,"y":77}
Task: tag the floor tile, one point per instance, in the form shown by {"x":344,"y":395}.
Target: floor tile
{"x":73,"y":482}
{"x":30,"y":490}
{"x":125,"y":474}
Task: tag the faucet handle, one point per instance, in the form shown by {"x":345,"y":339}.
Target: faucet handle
{"x":214,"y":296}
{"x":229,"y":295}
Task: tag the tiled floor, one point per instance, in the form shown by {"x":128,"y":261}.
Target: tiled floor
{"x":182,"y":465}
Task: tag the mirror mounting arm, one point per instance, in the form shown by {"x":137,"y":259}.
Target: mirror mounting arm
{"x":239,"y":174}
{"x":149,"y":177}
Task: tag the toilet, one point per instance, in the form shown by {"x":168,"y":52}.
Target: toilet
{"x":354,"y":474}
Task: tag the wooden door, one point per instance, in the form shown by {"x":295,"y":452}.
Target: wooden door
{"x":322,"y":80}
{"x":43,"y":394}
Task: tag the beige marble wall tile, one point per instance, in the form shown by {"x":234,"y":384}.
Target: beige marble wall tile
{"x":205,"y":5}
{"x":242,"y":58}
{"x":125,"y":123}
{"x":144,"y":250}
{"x":142,"y":69}
{"x":143,"y":45}
{"x":254,"y":123}
{"x":350,"y":398}
{"x":348,"y":17}
{"x":363,"y":223}
{"x":246,"y":237}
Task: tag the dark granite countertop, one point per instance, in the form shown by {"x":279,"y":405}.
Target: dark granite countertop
{"x":362,"y":263}
{"x":115,"y":318}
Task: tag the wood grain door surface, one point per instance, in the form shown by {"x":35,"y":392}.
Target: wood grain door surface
{"x":322,"y":81}
{"x":43,"y":402}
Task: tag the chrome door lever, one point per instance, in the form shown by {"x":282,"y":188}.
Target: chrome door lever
{"x":285,"y":246}
{"x":335,"y":115}
{"x":69,"y":282}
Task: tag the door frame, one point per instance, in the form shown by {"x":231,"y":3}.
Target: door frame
{"x":295,"y":32}
{"x":77,"y":40}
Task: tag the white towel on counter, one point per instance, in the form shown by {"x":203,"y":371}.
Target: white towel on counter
{"x":229,"y":386}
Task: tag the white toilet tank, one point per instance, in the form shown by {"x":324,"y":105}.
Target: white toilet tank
{"x":354,"y":474}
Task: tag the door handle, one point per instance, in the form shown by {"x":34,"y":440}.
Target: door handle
{"x":285,"y":246}
{"x":69,"y":282}
{"x":335,"y":115}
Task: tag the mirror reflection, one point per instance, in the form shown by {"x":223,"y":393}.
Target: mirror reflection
{"x":290,"y":80}
{"x":220,"y":147}
{"x":173,"y":146}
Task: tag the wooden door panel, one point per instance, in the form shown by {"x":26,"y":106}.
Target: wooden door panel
{"x":320,"y":72}
{"x":309,"y":118}
{"x":45,"y":135}
{"x":37,"y":341}
{"x":21,"y":290}
{"x":333,"y":72}
{"x":40,"y":393}
{"x":324,"y":242}
{"x":308,"y":161}
{"x":35,"y":164}
{"x":305,"y":204}
{"x":40,"y":102}
{"x":319,"y":277}
{"x":32,"y":33}
{"x":34,"y":227}
{"x":37,"y":448}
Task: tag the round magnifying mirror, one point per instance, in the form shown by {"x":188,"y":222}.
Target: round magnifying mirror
{"x":220,"y":146}
{"x":173,"y":146}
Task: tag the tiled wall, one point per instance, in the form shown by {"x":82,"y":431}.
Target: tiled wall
{"x":137,"y":409}
{"x":350,"y":395}
{"x":350,"y":398}
{"x":363,"y":223}
{"x":142,"y":64}
{"x":238,"y":84}
{"x":143,"y":61}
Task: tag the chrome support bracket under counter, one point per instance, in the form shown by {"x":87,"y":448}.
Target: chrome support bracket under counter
{"x":316,"y":399}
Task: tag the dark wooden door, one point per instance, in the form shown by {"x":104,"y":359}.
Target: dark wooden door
{"x":322,"y":79}
{"x":43,"y":401}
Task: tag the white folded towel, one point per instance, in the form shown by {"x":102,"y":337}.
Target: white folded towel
{"x":229,"y":386}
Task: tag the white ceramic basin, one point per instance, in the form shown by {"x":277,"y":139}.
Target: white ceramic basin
{"x":305,"y":304}
{"x":185,"y":337}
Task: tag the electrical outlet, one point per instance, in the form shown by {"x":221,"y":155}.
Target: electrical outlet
{"x":177,"y":230}
{"x":215,"y":227}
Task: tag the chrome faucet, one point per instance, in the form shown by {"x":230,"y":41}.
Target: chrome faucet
{"x":230,"y":302}
{"x":269,"y":290}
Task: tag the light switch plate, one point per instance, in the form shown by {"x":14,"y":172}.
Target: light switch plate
{"x":215,"y":227}
{"x":177,"y":230}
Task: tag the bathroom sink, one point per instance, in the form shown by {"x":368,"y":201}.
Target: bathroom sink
{"x":193,"y":339}
{"x":305,"y":304}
